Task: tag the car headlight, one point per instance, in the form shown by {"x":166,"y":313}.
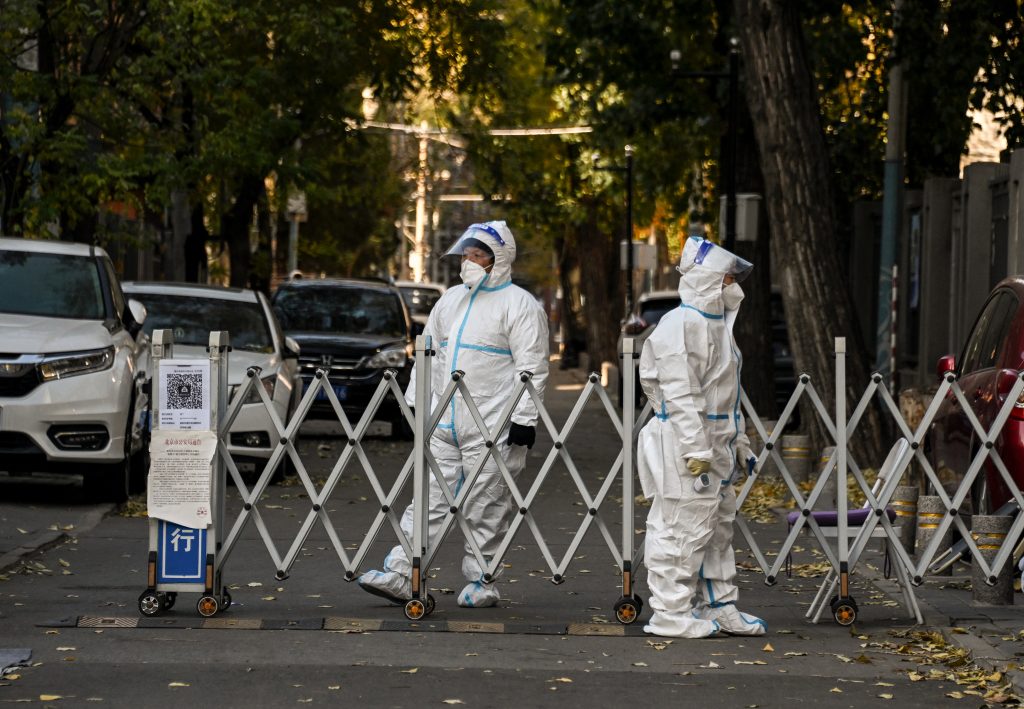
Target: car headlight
{"x":71,"y":365}
{"x":394,"y":358}
{"x":269,"y":383}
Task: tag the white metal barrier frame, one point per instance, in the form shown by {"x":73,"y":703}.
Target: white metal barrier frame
{"x":160,"y":596}
{"x":627,"y":554}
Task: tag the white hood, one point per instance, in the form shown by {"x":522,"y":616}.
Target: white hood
{"x":238,"y":361}
{"x":32,"y":334}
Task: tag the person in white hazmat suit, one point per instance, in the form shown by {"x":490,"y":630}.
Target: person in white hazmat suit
{"x":492,"y":331}
{"x":692,"y":450}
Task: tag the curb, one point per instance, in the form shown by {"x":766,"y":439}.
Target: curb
{"x":49,"y":539}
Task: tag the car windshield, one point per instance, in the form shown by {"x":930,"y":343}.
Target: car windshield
{"x":653,"y":310}
{"x":365,"y":311}
{"x":193,"y":319}
{"x":420,"y":300}
{"x":51,"y":285}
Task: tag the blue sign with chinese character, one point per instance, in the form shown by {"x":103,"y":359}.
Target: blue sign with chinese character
{"x":182,"y":554}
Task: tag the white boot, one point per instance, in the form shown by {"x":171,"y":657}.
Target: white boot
{"x":732,"y":621}
{"x":479,"y":595}
{"x":686,"y":626}
{"x":387,"y":584}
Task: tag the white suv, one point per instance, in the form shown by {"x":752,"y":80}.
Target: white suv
{"x":71,"y":394}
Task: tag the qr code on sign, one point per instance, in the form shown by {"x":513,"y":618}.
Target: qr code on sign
{"x":184,"y":390}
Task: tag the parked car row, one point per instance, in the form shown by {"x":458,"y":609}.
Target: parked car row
{"x":75,"y":363}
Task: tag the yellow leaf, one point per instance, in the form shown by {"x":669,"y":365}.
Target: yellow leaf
{"x":884,"y":684}
{"x":453,"y":701}
{"x":915,"y":677}
{"x":49,"y":697}
{"x":565,"y":680}
{"x":179,"y":684}
{"x":411,"y":671}
{"x":25,"y":531}
{"x":66,"y":649}
{"x":334,"y":686}
{"x":795,"y":654}
{"x":14,"y":676}
{"x":955,"y":695}
{"x":768,"y":648}
{"x":269,"y":598}
{"x":836,"y":690}
{"x":885,"y":696}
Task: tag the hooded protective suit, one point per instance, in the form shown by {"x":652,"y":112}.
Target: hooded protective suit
{"x":491,"y":330}
{"x":690,"y":372}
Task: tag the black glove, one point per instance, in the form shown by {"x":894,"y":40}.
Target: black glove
{"x":519,"y":435}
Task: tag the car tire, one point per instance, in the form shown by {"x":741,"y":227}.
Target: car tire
{"x":400,"y":428}
{"x":109,"y":483}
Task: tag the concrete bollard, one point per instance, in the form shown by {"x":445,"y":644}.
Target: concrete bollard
{"x":827,"y":501}
{"x":989,"y":533}
{"x":796,"y":454}
{"x":904,"y":504}
{"x":930,"y":512}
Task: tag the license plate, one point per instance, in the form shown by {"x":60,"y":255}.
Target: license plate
{"x":340,"y":391}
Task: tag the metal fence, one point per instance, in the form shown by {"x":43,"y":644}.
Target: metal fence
{"x":842,"y":550}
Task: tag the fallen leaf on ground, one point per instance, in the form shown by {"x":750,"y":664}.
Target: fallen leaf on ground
{"x":411,"y":671}
{"x":768,"y":648}
{"x":179,"y":684}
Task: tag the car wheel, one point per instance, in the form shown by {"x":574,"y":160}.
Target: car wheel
{"x":400,"y":428}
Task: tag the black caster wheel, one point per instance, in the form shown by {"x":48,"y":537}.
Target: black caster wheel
{"x":844,"y":610}
{"x":225,"y":601}
{"x":150,"y":604}
{"x":168,"y":600}
{"x":627,"y":609}
{"x":207,"y":606}
{"x":430,"y":604}
{"x":415,"y":609}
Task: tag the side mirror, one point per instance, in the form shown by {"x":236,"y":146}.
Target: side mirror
{"x":946,"y":363}
{"x":634,"y":326}
{"x":138,"y":314}
{"x":291,"y":348}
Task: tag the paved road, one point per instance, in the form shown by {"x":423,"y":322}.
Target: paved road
{"x":315,"y":639}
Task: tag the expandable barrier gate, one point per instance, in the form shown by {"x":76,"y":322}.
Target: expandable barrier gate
{"x":626,"y":553}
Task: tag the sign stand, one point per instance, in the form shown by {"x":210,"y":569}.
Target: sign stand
{"x":186,"y":482}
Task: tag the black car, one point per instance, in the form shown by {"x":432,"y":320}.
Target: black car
{"x":355,"y":329}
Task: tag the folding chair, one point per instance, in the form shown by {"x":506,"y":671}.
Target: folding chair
{"x":828,"y":521}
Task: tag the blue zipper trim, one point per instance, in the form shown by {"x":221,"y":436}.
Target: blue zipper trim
{"x":459,"y":345}
{"x":663,"y":416}
{"x":491,"y":350}
{"x":718,"y":417}
{"x":709,"y":316}
{"x":506,"y":284}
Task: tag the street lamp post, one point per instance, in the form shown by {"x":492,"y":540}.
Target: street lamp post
{"x":628,"y":240}
{"x":629,"y":231}
{"x":732,"y":129}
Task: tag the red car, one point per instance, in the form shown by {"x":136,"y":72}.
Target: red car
{"x":987,"y":370}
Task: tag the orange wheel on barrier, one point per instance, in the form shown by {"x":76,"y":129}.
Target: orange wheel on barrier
{"x":415,"y":609}
{"x":207,"y":606}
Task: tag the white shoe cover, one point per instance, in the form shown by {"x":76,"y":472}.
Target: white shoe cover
{"x":685,"y":627}
{"x":733,"y":621}
{"x":387,"y":584}
{"x":479,"y":595}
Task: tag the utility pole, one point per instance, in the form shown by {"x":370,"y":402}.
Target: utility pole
{"x":891,"y":202}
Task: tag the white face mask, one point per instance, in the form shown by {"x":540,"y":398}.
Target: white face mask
{"x":472,"y":273}
{"x":732,"y":296}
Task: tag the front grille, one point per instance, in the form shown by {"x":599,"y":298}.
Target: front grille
{"x":19,"y":385}
{"x":336,"y":365}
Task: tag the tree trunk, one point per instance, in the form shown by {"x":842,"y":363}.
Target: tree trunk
{"x":195,"y":247}
{"x":798,"y":193}
{"x":599,"y":284}
{"x":235,"y":229}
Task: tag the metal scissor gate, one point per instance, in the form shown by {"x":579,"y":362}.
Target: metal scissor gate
{"x":419,"y":466}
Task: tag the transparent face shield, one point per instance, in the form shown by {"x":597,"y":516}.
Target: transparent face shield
{"x":478,"y":236}
{"x":714,"y":258}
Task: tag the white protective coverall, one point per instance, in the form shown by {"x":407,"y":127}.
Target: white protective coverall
{"x":491,"y":330}
{"x":690,"y":372}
